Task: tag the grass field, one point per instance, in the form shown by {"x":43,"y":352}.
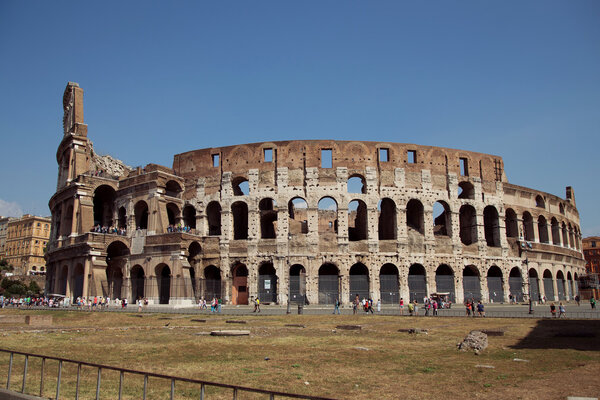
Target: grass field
{"x":376,"y":362}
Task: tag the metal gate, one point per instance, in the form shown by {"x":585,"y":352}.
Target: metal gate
{"x":389,"y":290}
{"x":515,"y":284}
{"x":471,"y":288}
{"x":570,"y":289}
{"x":298,"y":289}
{"x":534,"y":289}
{"x":560,"y":285}
{"x":495,"y":289}
{"x":549,"y":289}
{"x":445,"y":284}
{"x":212,"y":288}
{"x":417,"y":288}
{"x":359,"y":286}
{"x":328,"y":289}
{"x":267,"y":288}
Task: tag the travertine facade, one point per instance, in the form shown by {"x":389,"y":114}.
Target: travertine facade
{"x":306,"y":220}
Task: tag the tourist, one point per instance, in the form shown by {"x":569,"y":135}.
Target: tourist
{"x":378,"y":306}
{"x":593,"y":302}
{"x":577,"y":299}
{"x":411,"y":309}
{"x":416,"y":306}
{"x":139,"y":303}
{"x":336,"y":306}
{"x":553,"y":310}
{"x":561,"y":310}
{"x":401,"y":306}
{"x":480,"y":309}
{"x":468,"y":308}
{"x":435,"y":308}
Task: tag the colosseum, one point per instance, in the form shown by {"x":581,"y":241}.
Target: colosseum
{"x":304,"y":221}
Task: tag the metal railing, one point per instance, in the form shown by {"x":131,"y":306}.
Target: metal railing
{"x":122,"y":371}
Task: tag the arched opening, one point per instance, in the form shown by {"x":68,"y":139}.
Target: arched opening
{"x":495,"y":287}
{"x":78,"y":276}
{"x":357,"y":220}
{"x":357,"y":184}
{"x":122,"y":218}
{"x":466,"y":190}
{"x":555,"y":231}
{"x":212,"y":283}
{"x":239,"y":210}
{"x":116,"y":258}
{"x":442,"y":222}
{"x":62,"y":280}
{"x":138,"y":282}
{"x":534,"y":289}
{"x":240,"y":186}
{"x":328,"y":223}
{"x":491,"y":226}
{"x":468,"y":224}
{"x":543,"y":229}
{"x":329,"y":288}
{"x":359,"y":281}
{"x":511,"y":223}
{"x":104,"y":199}
{"x":239,"y":290}
{"x":298,"y":216}
{"x":213,"y":215}
{"x":141,"y":214}
{"x":194,"y":257}
{"x":515,"y":284}
{"x":570,"y":291}
{"x":444,"y":282}
{"x":570,"y":236}
{"x":189,"y":216}
{"x":575,"y":284}
{"x":173,"y":189}
{"x":267,"y":283}
{"x":163,"y":280}
{"x":561,"y":208}
{"x":69,"y":221}
{"x":415,"y":216}
{"x":389,"y":285}
{"x":528,"y":226}
{"x":297,"y":284}
{"x":539,"y":201}
{"x":471,"y":283}
{"x":417,"y":284}
{"x":560,"y":285}
{"x":173,"y":214}
{"x":268,"y":218}
{"x":565,"y":235}
{"x":387,"y":219}
{"x":548,"y":285}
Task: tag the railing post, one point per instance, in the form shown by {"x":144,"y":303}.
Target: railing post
{"x":9,"y":371}
{"x":42,"y":376}
{"x":121,"y":384}
{"x":202,"y":391}
{"x":272,"y":396}
{"x":98,"y":383}
{"x":234,"y":393}
{"x":77,"y":384}
{"x":58,"y":380}
{"x":25,"y":374}
{"x":172,"y":389}
{"x":145,"y":385}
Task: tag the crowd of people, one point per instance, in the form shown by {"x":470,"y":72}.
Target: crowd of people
{"x":179,"y":228}
{"x":215,"y":304}
{"x":109,"y":230}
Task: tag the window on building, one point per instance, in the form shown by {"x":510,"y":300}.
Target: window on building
{"x":593,"y":243}
{"x":215,"y":160}
{"x":268,"y":155}
{"x":411,"y":156}
{"x":464,"y":167}
{"x":326,"y":158}
{"x":384,"y":155}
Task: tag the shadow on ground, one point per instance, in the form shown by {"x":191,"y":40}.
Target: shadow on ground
{"x":562,"y":334}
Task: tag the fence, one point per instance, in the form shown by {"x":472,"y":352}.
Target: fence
{"x":173,"y":380}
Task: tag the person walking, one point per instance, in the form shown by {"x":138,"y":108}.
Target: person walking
{"x":401,"y":306}
{"x":593,"y":302}
{"x":577,"y":299}
{"x":553,"y":310}
{"x":336,"y":308}
{"x":561,"y":310}
{"x":480,"y":309}
{"x":416,"y":307}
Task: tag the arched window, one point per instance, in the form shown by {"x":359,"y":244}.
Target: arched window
{"x":239,"y":210}
{"x":328,"y":283}
{"x":104,"y":198}
{"x":141,"y":215}
{"x":543,"y":229}
{"x":555,"y":231}
{"x":528,"y":226}
{"x":268,"y":218}
{"x":357,"y":184}
{"x":442,"y":219}
{"x":511,"y":223}
{"x":357,"y":220}
{"x":240,"y":186}
{"x":213,"y":215}
{"x":495,"y":287}
{"x":491,"y":225}
{"x":298,"y":216}
{"x":539,"y":201}
{"x":387,"y":219}
{"x":189,"y":216}
{"x":466,"y":190}
{"x":173,"y":213}
{"x":328,"y":223}
{"x":468,"y":224}
{"x":173,"y":189}
{"x":415,"y":216}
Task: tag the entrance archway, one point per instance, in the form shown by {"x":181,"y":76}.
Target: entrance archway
{"x":444,"y":281}
{"x":548,"y":285}
{"x":495,"y":286}
{"x":297,"y":284}
{"x":515,"y":284}
{"x":560,"y":285}
{"x":417,"y":284}
{"x":329,"y":287}
{"x":212,"y":282}
{"x":389,"y":288}
{"x":267,"y":283}
{"x":359,"y":281}
{"x":163,"y":277}
{"x":138,"y":282}
{"x":534,"y":290}
{"x":240,"y":284}
{"x":471,"y":284}
{"x":78,"y":281}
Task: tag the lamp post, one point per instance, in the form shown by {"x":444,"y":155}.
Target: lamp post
{"x":524,"y":246}
{"x":287,"y":261}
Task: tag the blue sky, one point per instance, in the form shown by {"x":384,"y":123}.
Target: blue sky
{"x":511,"y":78}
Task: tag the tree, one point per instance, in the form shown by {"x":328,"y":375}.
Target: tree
{"x":5,"y":266}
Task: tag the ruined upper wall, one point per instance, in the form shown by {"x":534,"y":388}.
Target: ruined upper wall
{"x":354,"y":155}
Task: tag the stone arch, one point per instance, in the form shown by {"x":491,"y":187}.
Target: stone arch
{"x":555,"y":231}
{"x":548,"y":285}
{"x":561,"y":208}
{"x":570,"y":287}
{"x":297,"y":284}
{"x":212,"y":282}
{"x":357,"y":184}
{"x":471,"y":283}
{"x":560,"y":285}
{"x":543,"y":229}
{"x":491,"y":224}
{"x":239,"y":292}
{"x":141,"y":214}
{"x":298,"y":216}
{"x":268,"y":218}
{"x":444,"y":281}
{"x":359,"y":281}
{"x":468,"y":224}
{"x":466,"y":190}
{"x":239,"y":210}
{"x":528,"y":226}
{"x":213,"y":215}
{"x":117,"y":253}
{"x":163,"y":281}
{"x":515,"y":284}
{"x":138,"y":282}
{"x":387,"y":226}
{"x":267,"y":283}
{"x":241,"y":186}
{"x":173,"y":214}
{"x":389,"y":284}
{"x":539,"y":202}
{"x":104,"y":201}
{"x":122,"y":218}
{"x":417,"y":283}
{"x":570,"y":236}
{"x":511,"y":223}
{"x":78,"y":278}
{"x":442,"y":219}
{"x":357,"y":220}
{"x":495,"y":284}
{"x":328,"y":223}
{"x":329,"y":287}
{"x":173,"y":189}
{"x":189,"y":216}
{"x":415,"y":216}
{"x":534,"y":287}
{"x":194,"y":257}
{"x":63,"y":280}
